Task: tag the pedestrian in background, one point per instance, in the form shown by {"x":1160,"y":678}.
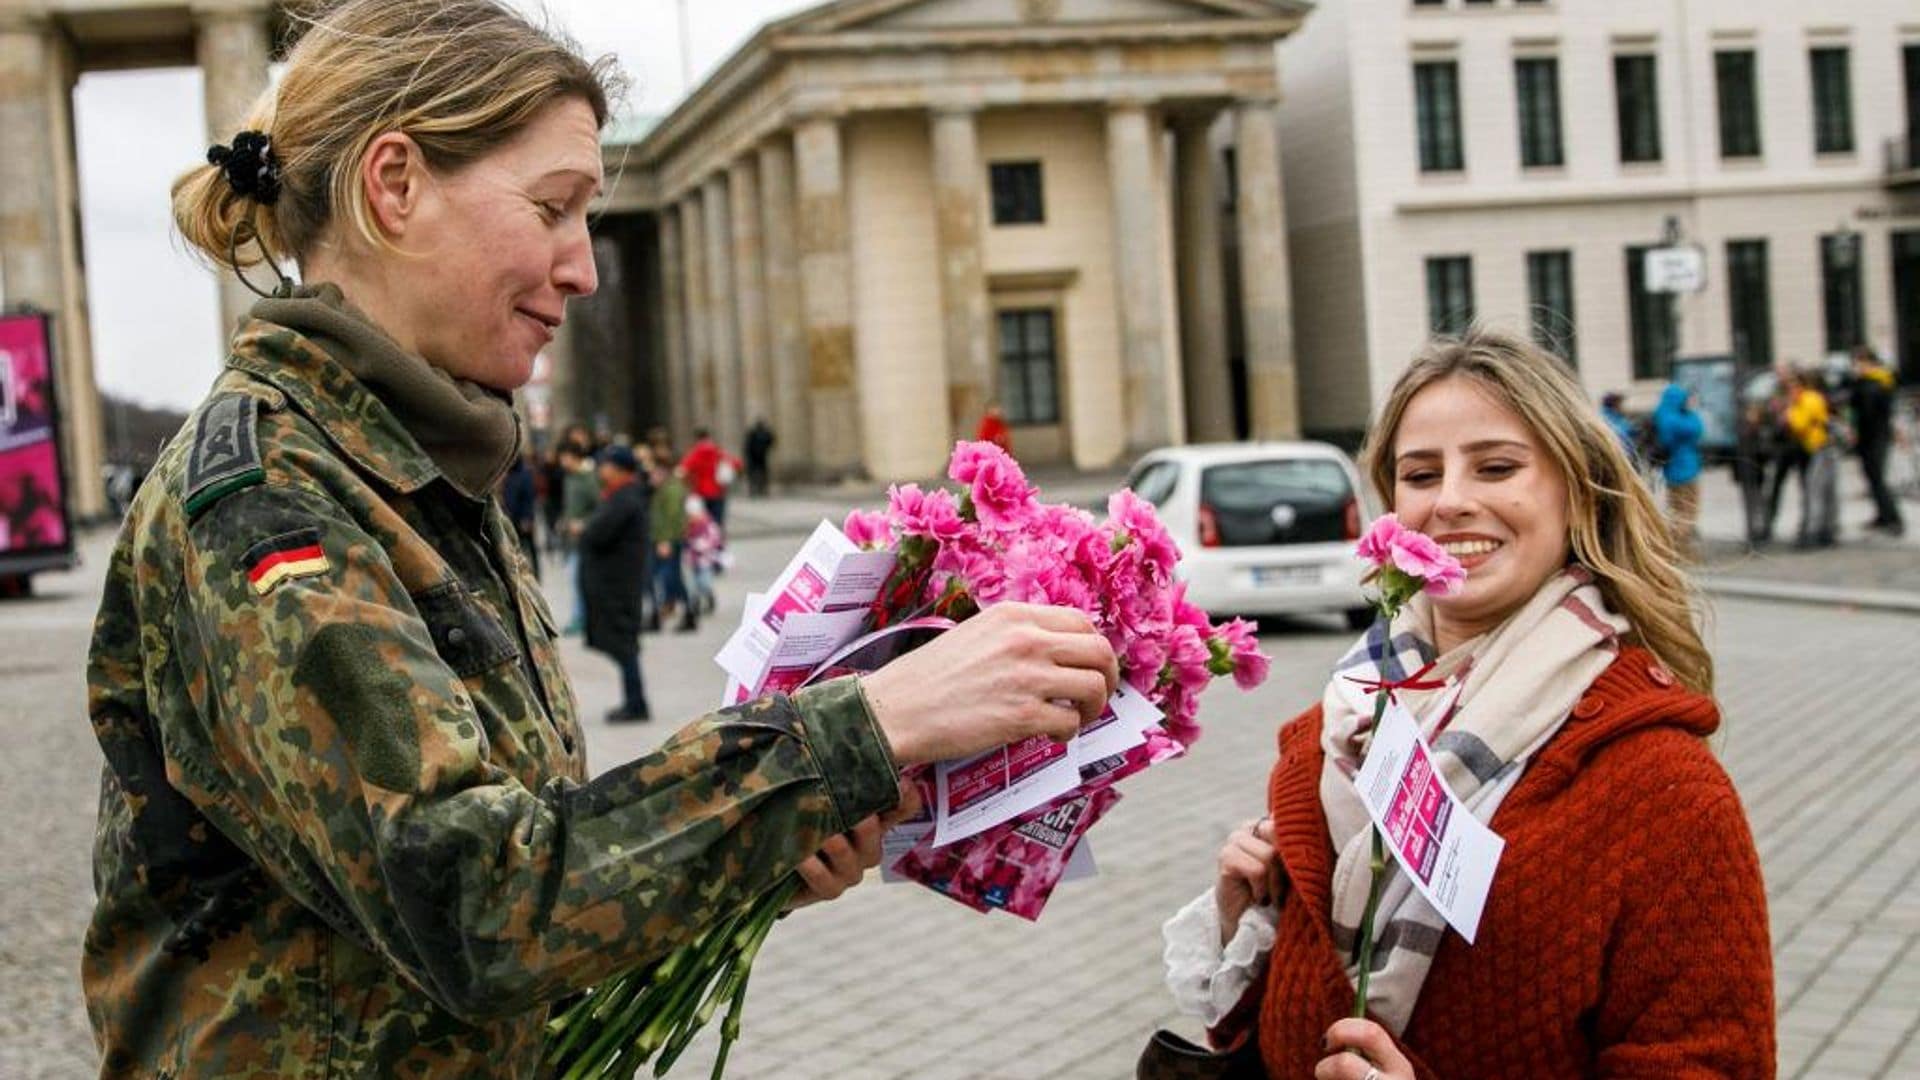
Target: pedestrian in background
{"x":553,"y":499}
{"x":520,"y":497}
{"x":760,"y":440}
{"x":613,"y":548}
{"x":669,"y":534}
{"x":703,"y":555}
{"x":1789,"y":457}
{"x":1873,"y":390}
{"x":580,"y":496}
{"x":993,"y":428}
{"x":1678,"y":428}
{"x":1620,"y":423}
{"x":709,"y":471}
{"x":1808,"y":422}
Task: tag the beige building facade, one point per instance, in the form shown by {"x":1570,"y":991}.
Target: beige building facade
{"x":879,"y":216}
{"x":1497,"y":160}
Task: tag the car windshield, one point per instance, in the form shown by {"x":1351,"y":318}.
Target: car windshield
{"x":1247,"y":501}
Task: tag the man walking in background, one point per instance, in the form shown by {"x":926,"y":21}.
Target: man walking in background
{"x":759,"y":448}
{"x":613,"y":553}
{"x":1873,"y":429}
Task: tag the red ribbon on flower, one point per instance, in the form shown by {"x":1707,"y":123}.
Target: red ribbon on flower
{"x":1415,"y":681}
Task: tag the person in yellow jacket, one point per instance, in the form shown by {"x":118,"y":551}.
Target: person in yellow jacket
{"x":1808,"y":423}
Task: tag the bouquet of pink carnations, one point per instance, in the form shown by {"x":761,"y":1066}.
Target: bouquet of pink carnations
{"x":1002,"y":828}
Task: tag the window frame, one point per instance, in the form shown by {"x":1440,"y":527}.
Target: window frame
{"x":1016,"y":198}
{"x":1750,"y":301}
{"x":1445,"y":290}
{"x":1438,"y":132}
{"x":1017,"y":409}
{"x":1561,"y":336}
{"x":1832,"y":99}
{"x":1741,"y":136}
{"x":1543,"y":143}
{"x":1653,"y":327}
{"x":1842,"y":300}
{"x":1647,"y":111}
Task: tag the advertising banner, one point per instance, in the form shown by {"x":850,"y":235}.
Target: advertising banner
{"x":33,"y":498}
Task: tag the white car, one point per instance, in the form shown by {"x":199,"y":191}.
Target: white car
{"x":1263,"y":528}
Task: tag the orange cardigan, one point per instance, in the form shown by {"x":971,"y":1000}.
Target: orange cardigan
{"x":1626,"y":933}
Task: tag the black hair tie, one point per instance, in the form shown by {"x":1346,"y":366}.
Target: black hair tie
{"x":249,"y":166}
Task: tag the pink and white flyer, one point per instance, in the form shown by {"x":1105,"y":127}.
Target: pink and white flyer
{"x":812,"y":582}
{"x":1449,"y":854}
{"x":974,"y":794}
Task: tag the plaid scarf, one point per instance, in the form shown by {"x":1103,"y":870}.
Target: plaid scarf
{"x":1506,"y":693}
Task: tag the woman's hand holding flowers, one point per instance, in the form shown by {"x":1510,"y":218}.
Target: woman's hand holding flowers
{"x":1361,"y":1050}
{"x":1247,"y":865}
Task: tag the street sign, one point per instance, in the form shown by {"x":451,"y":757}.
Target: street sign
{"x":1676,"y":269}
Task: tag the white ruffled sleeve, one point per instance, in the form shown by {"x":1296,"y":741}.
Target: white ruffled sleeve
{"x":1208,"y":981}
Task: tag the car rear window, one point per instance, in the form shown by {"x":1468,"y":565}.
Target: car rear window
{"x":1283,"y":501}
{"x":1155,"y":482}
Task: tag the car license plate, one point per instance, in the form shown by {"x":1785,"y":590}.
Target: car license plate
{"x":1285,"y":576}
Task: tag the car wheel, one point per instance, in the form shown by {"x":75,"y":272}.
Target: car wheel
{"x":1359,"y":618}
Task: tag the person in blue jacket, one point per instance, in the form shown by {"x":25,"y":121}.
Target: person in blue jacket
{"x":1677,"y":429}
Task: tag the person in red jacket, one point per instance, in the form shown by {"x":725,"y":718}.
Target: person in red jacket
{"x":710,"y":473}
{"x":1625,"y":933}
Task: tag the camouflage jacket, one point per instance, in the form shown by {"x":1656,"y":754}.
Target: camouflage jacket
{"x":344,"y":823}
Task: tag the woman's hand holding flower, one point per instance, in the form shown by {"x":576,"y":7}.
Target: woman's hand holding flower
{"x":1361,"y":1050}
{"x":1247,"y":865}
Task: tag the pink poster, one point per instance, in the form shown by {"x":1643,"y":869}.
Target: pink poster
{"x":31,"y":497}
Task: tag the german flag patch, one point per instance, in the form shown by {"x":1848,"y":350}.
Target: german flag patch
{"x":297,"y":554}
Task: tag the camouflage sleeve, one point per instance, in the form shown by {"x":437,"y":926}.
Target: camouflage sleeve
{"x":360,"y":763}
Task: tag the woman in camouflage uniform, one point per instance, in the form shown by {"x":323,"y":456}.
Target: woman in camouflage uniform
{"x":346,"y":826}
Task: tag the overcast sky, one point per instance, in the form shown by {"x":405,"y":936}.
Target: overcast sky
{"x":156,"y":332}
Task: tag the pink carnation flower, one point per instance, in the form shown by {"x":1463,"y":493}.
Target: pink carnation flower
{"x":934,"y":514}
{"x":1002,"y":498}
{"x":1391,"y":545}
{"x":868,"y":529}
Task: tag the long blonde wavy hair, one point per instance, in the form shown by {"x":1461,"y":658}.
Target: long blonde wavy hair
{"x":460,"y":77}
{"x":1617,"y":530}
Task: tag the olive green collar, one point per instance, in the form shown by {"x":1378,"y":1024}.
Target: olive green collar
{"x":394,"y":414}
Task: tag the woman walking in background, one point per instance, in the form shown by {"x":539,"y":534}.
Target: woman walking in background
{"x":1678,"y":428}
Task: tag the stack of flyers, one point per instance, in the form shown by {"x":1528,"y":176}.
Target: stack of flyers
{"x":998,"y":830}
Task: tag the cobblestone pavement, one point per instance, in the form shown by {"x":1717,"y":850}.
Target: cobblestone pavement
{"x":893,"y":981}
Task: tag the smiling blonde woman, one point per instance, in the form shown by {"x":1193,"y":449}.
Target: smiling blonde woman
{"x":1626,"y":930}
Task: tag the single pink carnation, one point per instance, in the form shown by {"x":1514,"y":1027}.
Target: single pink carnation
{"x":1250,"y":665}
{"x":1134,"y":522}
{"x":1377,"y":546}
{"x":934,"y":514}
{"x":1002,"y":498}
{"x":868,"y":529}
{"x":1391,"y":545}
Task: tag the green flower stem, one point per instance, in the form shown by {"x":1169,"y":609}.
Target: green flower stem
{"x":730,"y":1027}
{"x":1374,"y":887}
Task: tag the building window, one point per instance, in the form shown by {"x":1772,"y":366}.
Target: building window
{"x":1911,"y":57}
{"x":1029,"y":366}
{"x":1652,"y":319}
{"x":1832,"y":102}
{"x":1538,"y":82}
{"x":1436,"y":94}
{"x":1018,"y":198}
{"x":1550,"y":298}
{"x":1636,"y":97}
{"x":1840,"y":286}
{"x":1739,"y":106}
{"x":1449,"y":294}
{"x":1749,"y":304}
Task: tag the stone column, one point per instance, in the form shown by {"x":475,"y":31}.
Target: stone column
{"x":749,"y":290}
{"x":1139,"y":275}
{"x":826,"y":288}
{"x":693,"y":252}
{"x":673,"y":324}
{"x":958,"y":194}
{"x":39,"y":243}
{"x":1203,"y":309}
{"x":786,"y":340}
{"x":233,"y":50}
{"x":1266,"y":305}
{"x":722,"y":341}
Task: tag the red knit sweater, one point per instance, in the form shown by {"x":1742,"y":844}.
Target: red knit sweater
{"x":1626,"y":933}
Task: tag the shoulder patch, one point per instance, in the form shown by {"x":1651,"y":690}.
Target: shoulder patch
{"x":226,"y":451}
{"x":296,"y":554}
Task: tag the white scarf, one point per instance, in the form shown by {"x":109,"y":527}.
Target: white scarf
{"x":1506,"y":693}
